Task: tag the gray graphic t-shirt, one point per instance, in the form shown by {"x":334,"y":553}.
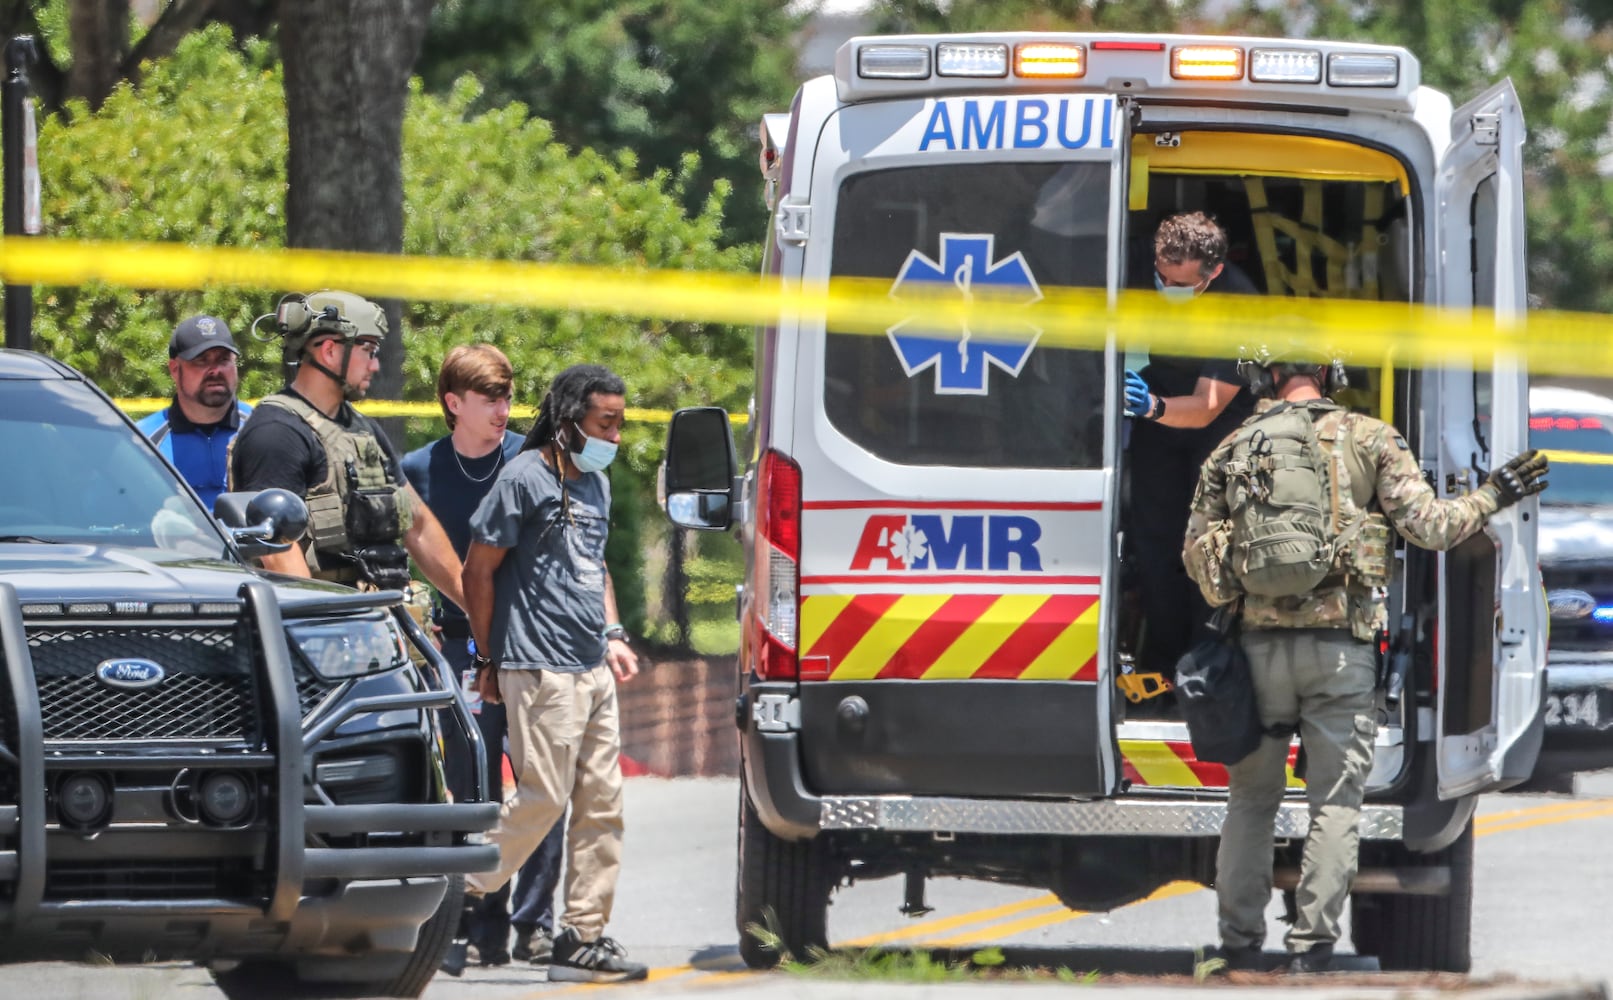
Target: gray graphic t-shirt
{"x":549,"y":592}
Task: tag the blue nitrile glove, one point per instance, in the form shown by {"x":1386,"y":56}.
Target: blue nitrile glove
{"x":1138,"y":399}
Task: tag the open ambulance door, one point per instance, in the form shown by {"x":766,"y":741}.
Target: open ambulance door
{"x":1493,"y":618}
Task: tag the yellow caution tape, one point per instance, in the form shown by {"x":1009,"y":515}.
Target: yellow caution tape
{"x":1216,"y":325}
{"x":138,"y":405}
{"x":1577,"y":457}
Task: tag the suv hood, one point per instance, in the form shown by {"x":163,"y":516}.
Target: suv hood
{"x":109,"y":573}
{"x":1575,"y":534}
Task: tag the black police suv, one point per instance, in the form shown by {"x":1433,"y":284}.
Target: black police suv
{"x":200,"y":761}
{"x":1576,"y":561}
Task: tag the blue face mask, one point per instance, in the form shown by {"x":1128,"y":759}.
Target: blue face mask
{"x":596,"y":454}
{"x":1175,"y":293}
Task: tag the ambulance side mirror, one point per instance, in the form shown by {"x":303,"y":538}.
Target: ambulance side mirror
{"x":697,"y":474}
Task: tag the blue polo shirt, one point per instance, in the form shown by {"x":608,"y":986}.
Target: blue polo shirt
{"x":198,"y":451}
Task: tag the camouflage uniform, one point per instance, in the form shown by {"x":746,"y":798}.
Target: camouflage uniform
{"x":1313,"y":662}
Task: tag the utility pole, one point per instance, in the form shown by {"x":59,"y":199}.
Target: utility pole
{"x":19,"y":146}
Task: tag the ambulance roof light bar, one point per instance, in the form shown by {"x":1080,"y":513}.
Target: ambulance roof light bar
{"x":966,"y":59}
{"x":1312,"y":73}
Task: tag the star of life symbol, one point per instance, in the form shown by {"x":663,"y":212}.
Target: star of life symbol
{"x":909,"y":545}
{"x":960,"y":359}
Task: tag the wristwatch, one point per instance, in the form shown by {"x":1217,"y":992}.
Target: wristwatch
{"x":1158,"y":410}
{"x":615,"y":632}
{"x":481,"y":662}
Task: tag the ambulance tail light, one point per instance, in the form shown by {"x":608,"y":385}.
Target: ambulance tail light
{"x":1049,"y":61}
{"x":1207,"y":62}
{"x":1363,"y":69}
{"x":778,"y":545}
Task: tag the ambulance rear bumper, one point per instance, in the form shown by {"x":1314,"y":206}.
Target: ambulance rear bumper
{"x":1101,"y":817}
{"x":778,"y":790}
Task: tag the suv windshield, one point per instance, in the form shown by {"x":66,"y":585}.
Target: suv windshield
{"x":945,"y":397}
{"x":77,"y":473}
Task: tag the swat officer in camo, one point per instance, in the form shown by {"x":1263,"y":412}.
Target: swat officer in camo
{"x":364,"y":519}
{"x":1312,"y":653}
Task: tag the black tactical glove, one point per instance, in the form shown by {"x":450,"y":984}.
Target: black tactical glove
{"x":1523,"y":476}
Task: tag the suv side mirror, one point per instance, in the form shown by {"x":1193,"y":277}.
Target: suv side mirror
{"x":263,"y":522}
{"x":697,"y":472}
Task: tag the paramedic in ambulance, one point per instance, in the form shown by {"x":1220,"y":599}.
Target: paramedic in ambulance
{"x":1310,"y":624}
{"x":1182,"y":407}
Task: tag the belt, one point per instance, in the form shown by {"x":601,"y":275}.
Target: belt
{"x":454,"y":628}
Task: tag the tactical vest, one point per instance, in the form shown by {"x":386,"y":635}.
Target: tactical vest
{"x":358,"y":516}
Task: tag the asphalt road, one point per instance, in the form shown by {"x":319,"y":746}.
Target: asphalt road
{"x":1541,"y":889}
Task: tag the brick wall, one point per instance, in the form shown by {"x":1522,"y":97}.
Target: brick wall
{"x":678,"y":718}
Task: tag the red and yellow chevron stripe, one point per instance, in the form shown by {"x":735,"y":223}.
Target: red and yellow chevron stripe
{"x":1171,"y":764}
{"x":851,"y":637}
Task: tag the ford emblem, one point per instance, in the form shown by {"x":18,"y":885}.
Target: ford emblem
{"x":1570,"y":603}
{"x":129,"y":674}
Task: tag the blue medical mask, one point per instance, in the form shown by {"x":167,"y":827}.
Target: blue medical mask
{"x":596,"y":454}
{"x":1175,"y":293}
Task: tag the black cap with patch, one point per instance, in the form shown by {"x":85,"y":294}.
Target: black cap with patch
{"x":198,"y":335}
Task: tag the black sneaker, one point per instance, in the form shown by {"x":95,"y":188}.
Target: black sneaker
{"x":1249,"y":958}
{"x":489,"y":955}
{"x":535,"y":946}
{"x":453,"y":962}
{"x":601,"y":961}
{"x":1317,"y":958}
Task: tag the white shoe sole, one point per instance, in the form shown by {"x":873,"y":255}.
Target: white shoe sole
{"x":573,"y":974}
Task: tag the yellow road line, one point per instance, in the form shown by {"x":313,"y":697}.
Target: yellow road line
{"x":1574,"y":805}
{"x":1604,"y":809}
{"x":1060,"y":916}
{"x":939,"y":924}
{"x":1046,"y":911}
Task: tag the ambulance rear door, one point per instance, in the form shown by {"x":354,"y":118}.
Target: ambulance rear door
{"x":957,"y":485}
{"x":1493,"y":617}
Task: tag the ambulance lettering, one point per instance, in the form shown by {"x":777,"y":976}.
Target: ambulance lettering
{"x":959,"y":358}
{"x":1032,"y":123}
{"x":994,"y":543}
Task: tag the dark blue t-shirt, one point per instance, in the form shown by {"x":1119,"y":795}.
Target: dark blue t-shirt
{"x":549,"y":607}
{"x":452,"y":486}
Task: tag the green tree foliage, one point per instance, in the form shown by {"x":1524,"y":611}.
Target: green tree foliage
{"x":657,"y":78}
{"x":1036,"y":15}
{"x":196,"y":154}
{"x":1559,"y":55}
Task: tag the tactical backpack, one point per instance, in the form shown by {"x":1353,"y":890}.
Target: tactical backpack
{"x":1277,"y":489}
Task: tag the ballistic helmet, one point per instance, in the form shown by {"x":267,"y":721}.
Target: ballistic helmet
{"x":302,"y":319}
{"x":1269,"y":364}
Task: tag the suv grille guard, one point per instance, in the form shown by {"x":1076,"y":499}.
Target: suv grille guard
{"x":23,"y":824}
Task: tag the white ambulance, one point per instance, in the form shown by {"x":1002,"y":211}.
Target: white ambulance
{"x":936,"y":619}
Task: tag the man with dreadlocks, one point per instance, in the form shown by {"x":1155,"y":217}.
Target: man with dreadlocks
{"x":543,"y":616}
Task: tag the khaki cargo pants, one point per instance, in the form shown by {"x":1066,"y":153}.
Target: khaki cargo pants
{"x":565,"y":744}
{"x":1323,"y":681}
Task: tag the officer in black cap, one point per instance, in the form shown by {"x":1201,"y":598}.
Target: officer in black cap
{"x":194,"y":432}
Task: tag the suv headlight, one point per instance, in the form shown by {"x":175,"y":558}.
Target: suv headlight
{"x":349,"y":647}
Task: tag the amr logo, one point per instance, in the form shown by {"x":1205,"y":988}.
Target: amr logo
{"x":1000,"y":542}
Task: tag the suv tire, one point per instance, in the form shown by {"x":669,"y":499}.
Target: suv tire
{"x":1424,"y":933}
{"x":272,"y":980}
{"x":784,"y":886}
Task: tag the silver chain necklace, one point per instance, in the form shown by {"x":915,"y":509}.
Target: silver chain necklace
{"x":497,"y":461}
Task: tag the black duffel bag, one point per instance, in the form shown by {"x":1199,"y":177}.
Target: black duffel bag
{"x":1217,"y":695}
